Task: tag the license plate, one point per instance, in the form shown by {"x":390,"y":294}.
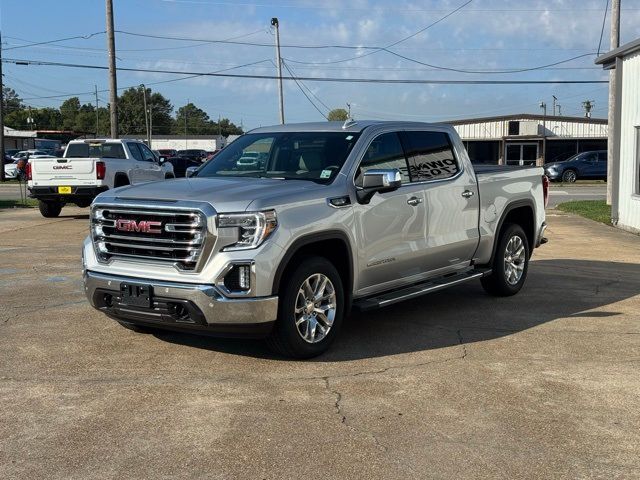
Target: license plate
{"x":136,"y":295}
{"x":64,"y":190}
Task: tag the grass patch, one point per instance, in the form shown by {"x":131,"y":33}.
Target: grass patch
{"x":596,"y":210}
{"x":18,"y":204}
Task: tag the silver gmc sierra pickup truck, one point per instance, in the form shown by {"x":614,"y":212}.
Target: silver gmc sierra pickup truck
{"x":325,"y":218}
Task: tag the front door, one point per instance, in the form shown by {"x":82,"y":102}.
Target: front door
{"x":391,"y":228}
{"x":522,"y":154}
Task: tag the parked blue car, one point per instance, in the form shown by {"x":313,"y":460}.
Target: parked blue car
{"x":592,"y":165}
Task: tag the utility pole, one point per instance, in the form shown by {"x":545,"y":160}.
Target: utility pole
{"x":150,"y":124}
{"x":146,"y":117}
{"x":555,"y":99}
{"x":276,"y":25}
{"x":349,"y":110}
{"x":614,"y":43}
{"x":543,"y":106}
{"x":97,"y":113}
{"x":113,"y":83}
{"x":2,"y":179}
{"x":559,"y":109}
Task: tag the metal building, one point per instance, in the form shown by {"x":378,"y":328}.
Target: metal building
{"x":529,"y":139}
{"x":625,"y":175}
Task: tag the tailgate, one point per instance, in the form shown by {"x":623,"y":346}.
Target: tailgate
{"x":67,"y":171}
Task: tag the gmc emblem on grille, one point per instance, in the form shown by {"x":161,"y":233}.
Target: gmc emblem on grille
{"x":143,"y":226}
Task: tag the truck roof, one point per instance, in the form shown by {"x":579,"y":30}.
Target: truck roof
{"x":353,"y":126}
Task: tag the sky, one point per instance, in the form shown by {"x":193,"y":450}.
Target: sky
{"x":483,"y":36}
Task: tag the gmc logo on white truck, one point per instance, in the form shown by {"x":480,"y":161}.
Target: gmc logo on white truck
{"x":142,"y":226}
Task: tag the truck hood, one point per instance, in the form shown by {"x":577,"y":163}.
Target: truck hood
{"x":224,"y":194}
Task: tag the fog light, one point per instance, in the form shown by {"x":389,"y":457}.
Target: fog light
{"x":238,"y":278}
{"x":244,"y":278}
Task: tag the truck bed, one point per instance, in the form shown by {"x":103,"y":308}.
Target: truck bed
{"x":486,"y":169}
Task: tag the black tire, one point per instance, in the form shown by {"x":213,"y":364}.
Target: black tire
{"x":569,"y":176}
{"x":137,"y":328}
{"x":497,"y":283}
{"x":49,"y":209}
{"x":83,"y":203}
{"x":168,"y":176}
{"x":285,"y":338}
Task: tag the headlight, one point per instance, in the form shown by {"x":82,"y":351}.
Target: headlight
{"x":253,"y":228}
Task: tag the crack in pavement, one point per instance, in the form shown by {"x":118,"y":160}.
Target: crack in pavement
{"x":462,"y":344}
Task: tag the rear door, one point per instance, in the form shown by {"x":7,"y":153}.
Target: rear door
{"x":589,"y":167}
{"x":451,"y":198}
{"x":138,"y":173}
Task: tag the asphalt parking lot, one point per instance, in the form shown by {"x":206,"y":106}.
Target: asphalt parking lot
{"x":453,"y":385}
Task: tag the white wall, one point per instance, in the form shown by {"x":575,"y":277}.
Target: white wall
{"x":182,"y":144}
{"x":628,"y":199}
{"x":495,"y":130}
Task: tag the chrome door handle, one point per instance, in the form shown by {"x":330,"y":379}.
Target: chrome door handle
{"x":413,"y":201}
{"x":467,"y":194}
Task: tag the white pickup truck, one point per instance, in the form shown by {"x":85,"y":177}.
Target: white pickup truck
{"x":90,"y":167}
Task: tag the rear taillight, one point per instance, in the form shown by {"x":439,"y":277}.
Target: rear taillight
{"x":27,"y":170}
{"x":101,"y":170}
{"x":545,"y":190}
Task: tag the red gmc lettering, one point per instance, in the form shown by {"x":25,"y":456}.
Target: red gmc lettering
{"x":143,"y":226}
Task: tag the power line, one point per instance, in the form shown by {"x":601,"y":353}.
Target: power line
{"x":76,"y":37}
{"x":303,"y":92}
{"x":604,"y":19}
{"x":312,"y":79}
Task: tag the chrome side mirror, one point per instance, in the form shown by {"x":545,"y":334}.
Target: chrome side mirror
{"x":378,"y":181}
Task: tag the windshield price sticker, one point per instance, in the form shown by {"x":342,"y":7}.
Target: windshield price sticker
{"x":325,"y":174}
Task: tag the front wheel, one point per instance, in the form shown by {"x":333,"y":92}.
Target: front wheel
{"x":49,"y":209}
{"x":569,"y":176}
{"x":510,"y":263}
{"x":311,"y":310}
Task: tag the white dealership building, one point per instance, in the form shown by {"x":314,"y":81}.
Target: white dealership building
{"x":625,"y":185}
{"x":530,"y":139}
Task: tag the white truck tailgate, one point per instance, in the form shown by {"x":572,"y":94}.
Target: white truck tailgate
{"x":67,"y":171}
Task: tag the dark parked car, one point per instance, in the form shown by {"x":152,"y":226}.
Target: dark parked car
{"x":591,"y":165}
{"x":180,"y":165}
{"x":168,"y":152}
{"x":193,"y":154}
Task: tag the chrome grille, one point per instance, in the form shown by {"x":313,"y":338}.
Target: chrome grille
{"x":177,"y":237}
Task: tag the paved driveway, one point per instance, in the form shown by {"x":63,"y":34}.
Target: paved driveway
{"x":453,"y":385}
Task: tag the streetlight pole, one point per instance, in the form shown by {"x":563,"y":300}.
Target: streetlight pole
{"x":543,"y":106}
{"x":276,"y":25}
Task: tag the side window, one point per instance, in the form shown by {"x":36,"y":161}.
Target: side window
{"x":147,"y":154}
{"x":430,"y":156}
{"x":135,"y":151}
{"x":385,"y":151}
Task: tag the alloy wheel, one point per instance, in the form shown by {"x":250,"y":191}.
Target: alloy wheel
{"x":514,"y":260}
{"x":315,"y":308}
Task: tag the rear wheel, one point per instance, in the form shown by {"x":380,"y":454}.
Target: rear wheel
{"x":311,"y":309}
{"x":83,"y":203}
{"x":49,"y":209}
{"x":510,"y":263}
{"x":120,"y":181}
{"x":569,"y":176}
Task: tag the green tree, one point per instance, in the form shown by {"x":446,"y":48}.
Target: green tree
{"x":226,"y":128}
{"x":197,"y":121}
{"x":131,"y":117}
{"x":339,"y":114}
{"x":11,"y":100}
{"x":86,"y":119}
{"x":69,"y":111}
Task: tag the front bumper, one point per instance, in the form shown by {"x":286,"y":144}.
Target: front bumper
{"x":184,"y":306}
{"x":78,"y":193}
{"x":552,"y":174}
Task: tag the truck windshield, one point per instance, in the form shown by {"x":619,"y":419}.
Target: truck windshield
{"x":97,"y":150}
{"x":312,"y":156}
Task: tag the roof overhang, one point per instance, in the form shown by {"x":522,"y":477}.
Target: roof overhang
{"x":608,"y":60}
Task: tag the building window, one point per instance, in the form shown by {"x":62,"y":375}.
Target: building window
{"x":514,"y":128}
